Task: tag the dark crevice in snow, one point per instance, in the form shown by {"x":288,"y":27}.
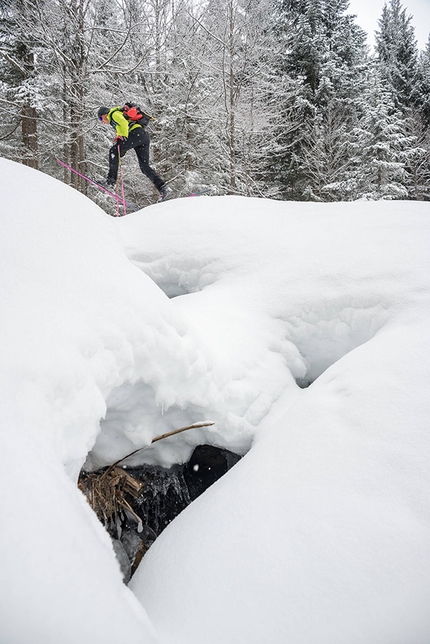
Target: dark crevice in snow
{"x":177,"y":276}
{"x":304,"y":383}
{"x":318,"y":336}
{"x":135,"y":504}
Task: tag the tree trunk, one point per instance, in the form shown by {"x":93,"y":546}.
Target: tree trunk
{"x":29,"y":136}
{"x":231,"y":115}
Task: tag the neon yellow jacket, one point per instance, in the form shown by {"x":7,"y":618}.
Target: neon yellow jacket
{"x":118,"y":121}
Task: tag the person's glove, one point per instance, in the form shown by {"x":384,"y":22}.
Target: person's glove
{"x":118,"y":139}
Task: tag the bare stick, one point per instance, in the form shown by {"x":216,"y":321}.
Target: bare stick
{"x":207,"y":423}
{"x":183,"y":429}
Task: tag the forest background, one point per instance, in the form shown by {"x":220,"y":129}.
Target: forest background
{"x":273,"y":98}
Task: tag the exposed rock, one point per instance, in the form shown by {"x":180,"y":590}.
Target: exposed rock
{"x":135,"y":504}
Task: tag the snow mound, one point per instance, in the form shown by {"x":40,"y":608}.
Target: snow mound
{"x":327,"y":513}
{"x":321,"y":534}
{"x":280,"y":282}
{"x":75,"y":315}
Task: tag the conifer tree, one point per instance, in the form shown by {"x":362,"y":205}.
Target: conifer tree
{"x":397,"y":53}
{"x":327,"y":58}
{"x":418,"y":124}
{"x":424,"y":91}
{"x":405,"y":75}
{"x":385,"y":146}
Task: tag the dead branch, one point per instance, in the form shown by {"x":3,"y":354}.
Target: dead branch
{"x":206,"y":423}
{"x":112,"y":491}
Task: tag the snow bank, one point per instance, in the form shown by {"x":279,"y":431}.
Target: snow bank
{"x":75,"y":318}
{"x":321,"y":534}
{"x":277,"y":292}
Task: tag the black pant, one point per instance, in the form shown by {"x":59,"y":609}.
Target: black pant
{"x":139,"y":140}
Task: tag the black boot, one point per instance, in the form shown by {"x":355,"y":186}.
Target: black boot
{"x":165,"y":193}
{"x":106,"y":183}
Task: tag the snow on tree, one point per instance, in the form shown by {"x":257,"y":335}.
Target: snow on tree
{"x":384,"y":144}
{"x":404,"y":72}
{"x":397,"y":54}
{"x":326,"y":54}
{"x":424,"y":66}
{"x":18,"y":80}
{"x":262,"y":97}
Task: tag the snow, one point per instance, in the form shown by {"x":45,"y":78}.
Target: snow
{"x":321,"y":533}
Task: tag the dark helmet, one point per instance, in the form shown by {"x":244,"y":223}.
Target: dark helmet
{"x":102,"y":111}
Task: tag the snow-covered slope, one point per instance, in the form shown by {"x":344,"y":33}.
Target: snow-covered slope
{"x":321,"y":533}
{"x":72,"y":327}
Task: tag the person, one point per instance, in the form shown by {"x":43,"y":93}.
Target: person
{"x":130,"y":135}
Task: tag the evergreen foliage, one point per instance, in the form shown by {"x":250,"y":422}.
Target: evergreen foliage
{"x":397,"y":53}
{"x":327,"y":61}
{"x":405,"y":75}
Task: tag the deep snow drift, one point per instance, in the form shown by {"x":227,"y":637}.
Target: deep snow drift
{"x":322,"y":533}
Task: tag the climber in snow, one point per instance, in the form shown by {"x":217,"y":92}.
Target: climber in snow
{"x":129,"y":123}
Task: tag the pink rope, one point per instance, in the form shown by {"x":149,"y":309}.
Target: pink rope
{"x":122,"y":183}
{"x":112,"y":194}
{"x":117,"y":212}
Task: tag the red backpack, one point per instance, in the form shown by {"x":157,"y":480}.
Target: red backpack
{"x":133,"y":112}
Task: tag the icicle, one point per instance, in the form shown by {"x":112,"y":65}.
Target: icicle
{"x":118,"y":527}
